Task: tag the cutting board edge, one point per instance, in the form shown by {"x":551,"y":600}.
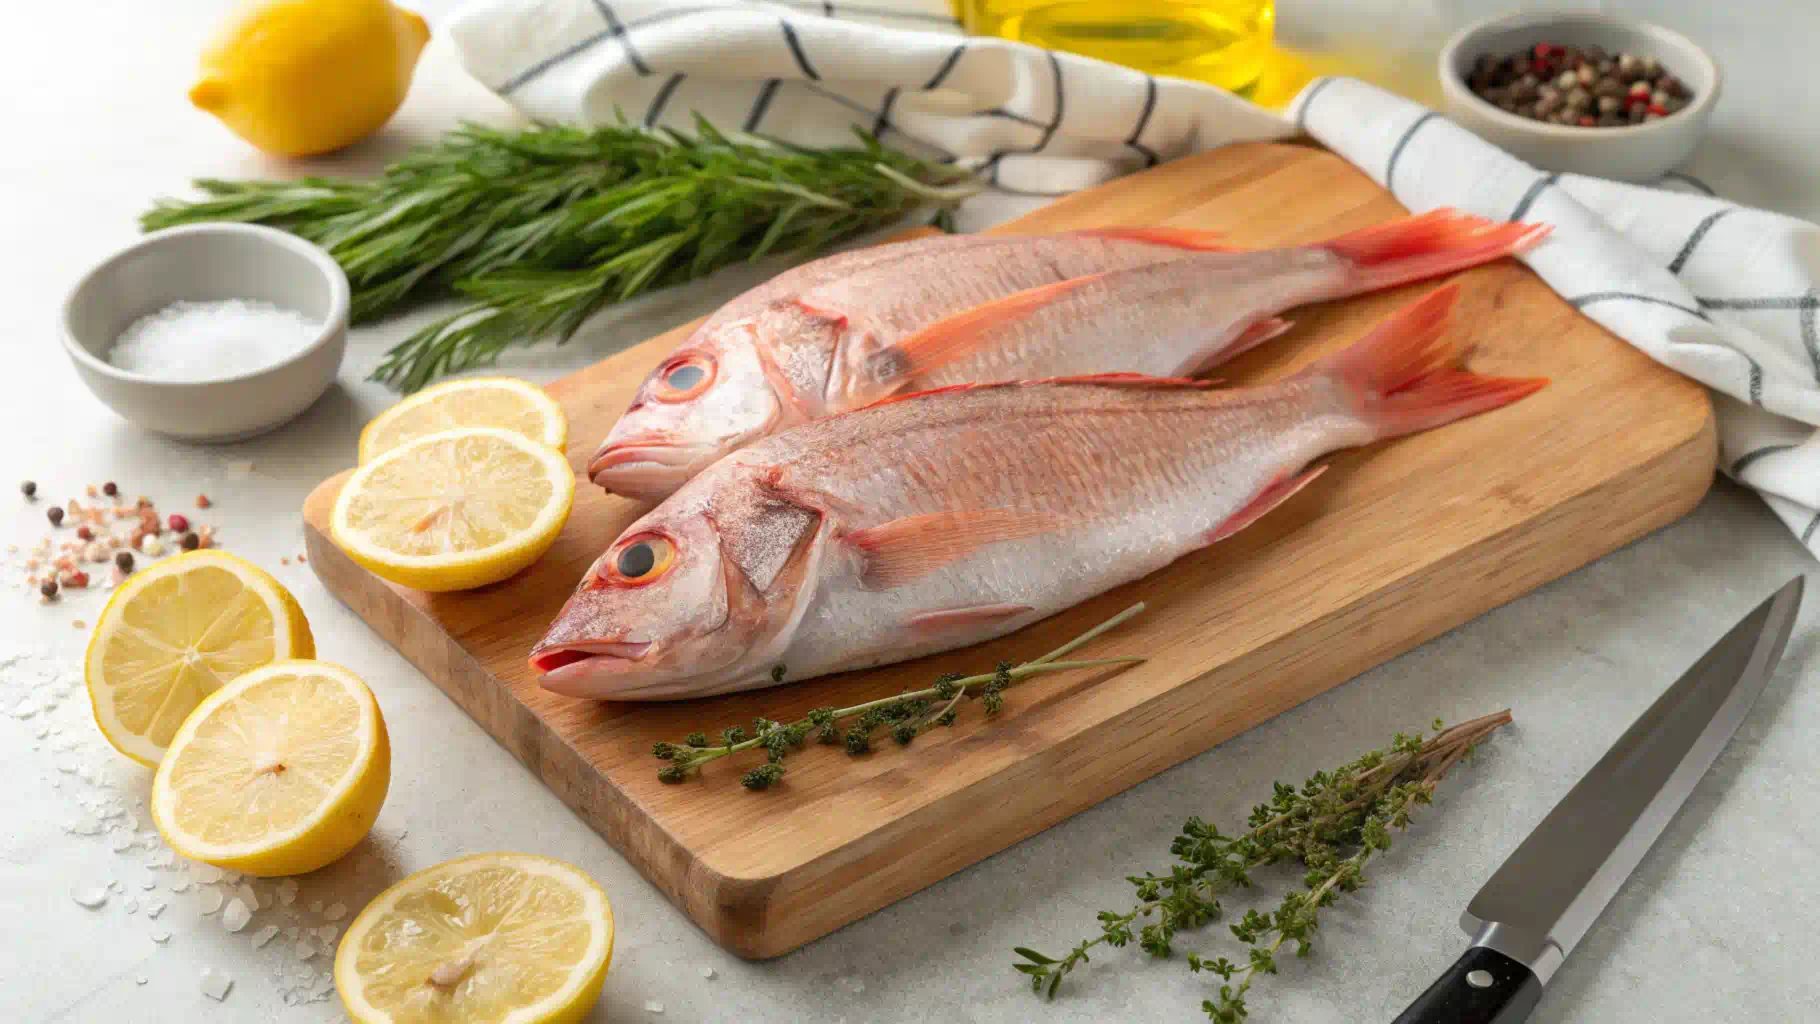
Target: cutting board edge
{"x":739,"y":911}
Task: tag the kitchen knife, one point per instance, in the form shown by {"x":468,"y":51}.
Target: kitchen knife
{"x":1540,"y":903}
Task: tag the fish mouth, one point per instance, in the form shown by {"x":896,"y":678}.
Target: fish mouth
{"x":571,"y":668}
{"x":641,"y":469}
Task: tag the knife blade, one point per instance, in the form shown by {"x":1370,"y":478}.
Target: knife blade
{"x":1538,"y":906}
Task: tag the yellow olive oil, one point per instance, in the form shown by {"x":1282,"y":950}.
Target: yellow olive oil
{"x":1222,"y":42}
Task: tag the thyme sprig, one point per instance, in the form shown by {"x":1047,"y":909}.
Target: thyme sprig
{"x":904,"y":716}
{"x":1331,"y":826}
{"x":541,"y":228}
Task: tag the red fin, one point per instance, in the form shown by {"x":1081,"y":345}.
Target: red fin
{"x":1112,"y":380}
{"x":1399,"y":376}
{"x":1434,"y":243}
{"x":1255,"y":335}
{"x":904,"y":549}
{"x":1178,"y":238}
{"x":958,"y":336}
{"x":935,"y":622}
{"x":1274,"y":493}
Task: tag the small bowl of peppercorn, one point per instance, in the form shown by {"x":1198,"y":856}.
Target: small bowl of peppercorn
{"x":1582,"y":92}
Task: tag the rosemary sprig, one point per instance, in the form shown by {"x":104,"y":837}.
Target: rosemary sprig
{"x":1331,"y":826}
{"x":906,"y":715}
{"x":541,"y":228}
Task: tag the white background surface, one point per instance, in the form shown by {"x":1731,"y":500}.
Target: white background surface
{"x":1715,"y":926}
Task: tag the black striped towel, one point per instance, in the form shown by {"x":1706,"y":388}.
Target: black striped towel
{"x":1725,"y":294}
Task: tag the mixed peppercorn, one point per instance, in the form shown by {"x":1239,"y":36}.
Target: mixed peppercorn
{"x":1580,"y":86}
{"x":55,"y":565}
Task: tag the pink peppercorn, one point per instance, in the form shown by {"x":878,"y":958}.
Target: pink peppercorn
{"x":179,"y":522}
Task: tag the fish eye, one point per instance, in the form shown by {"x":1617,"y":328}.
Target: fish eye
{"x":642,"y":559}
{"x":685,"y":378}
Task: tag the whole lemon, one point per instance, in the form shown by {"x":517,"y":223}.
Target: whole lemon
{"x":299,"y":77}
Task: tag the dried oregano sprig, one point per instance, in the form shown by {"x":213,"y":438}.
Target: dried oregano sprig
{"x":1331,"y":826}
{"x":903,"y":717}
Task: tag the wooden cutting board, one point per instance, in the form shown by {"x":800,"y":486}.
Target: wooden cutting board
{"x":1392,"y":546}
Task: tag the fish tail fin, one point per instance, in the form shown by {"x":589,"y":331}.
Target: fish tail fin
{"x":1427,"y":245}
{"x":1400,"y":379}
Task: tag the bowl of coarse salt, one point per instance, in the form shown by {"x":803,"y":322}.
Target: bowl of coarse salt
{"x":209,"y":332}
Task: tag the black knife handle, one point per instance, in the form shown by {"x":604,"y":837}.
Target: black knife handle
{"x":1511,"y":994}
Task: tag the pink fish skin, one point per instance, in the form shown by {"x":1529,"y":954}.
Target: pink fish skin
{"x":830,"y":337}
{"x":773,"y":357}
{"x":940,"y":519}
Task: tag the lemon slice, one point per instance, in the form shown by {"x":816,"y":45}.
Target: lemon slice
{"x":454,"y":510}
{"x":498,"y":937}
{"x":175,"y":632}
{"x":279,"y":772}
{"x":504,"y":402}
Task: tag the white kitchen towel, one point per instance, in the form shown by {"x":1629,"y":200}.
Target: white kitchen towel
{"x":1725,"y":294}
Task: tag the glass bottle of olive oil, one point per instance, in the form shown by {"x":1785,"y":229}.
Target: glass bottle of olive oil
{"x":1223,"y":42}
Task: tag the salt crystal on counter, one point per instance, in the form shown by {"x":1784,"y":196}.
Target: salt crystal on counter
{"x":161,"y":937}
{"x":287,"y":891}
{"x":215,"y":984}
{"x":209,"y":900}
{"x":653,"y":1006}
{"x":93,"y":898}
{"x":154,"y":910}
{"x":335,"y":912}
{"x":305,"y":948}
{"x":248,"y":896}
{"x":236,"y":915}
{"x":708,"y":972}
{"x":264,"y":935}
{"x":193,"y":341}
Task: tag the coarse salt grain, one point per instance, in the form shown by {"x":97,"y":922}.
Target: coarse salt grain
{"x":210,"y":340}
{"x":236,"y":915}
{"x":215,"y":984}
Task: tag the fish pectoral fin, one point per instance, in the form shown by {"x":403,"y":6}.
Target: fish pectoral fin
{"x":955,"y":338}
{"x":955,"y":618}
{"x":905,"y":549}
{"x":1274,"y":493}
{"x":1255,"y":335}
{"x":1178,"y":238}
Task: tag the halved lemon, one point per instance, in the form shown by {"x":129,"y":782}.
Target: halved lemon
{"x":504,"y":402}
{"x":506,"y":937}
{"x":454,"y":510}
{"x":279,"y":772}
{"x":174,"y":633}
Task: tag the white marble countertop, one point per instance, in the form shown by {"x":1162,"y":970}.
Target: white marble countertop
{"x":1710,"y":928}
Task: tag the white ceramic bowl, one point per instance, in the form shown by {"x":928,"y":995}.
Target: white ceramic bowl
{"x":202,"y":263}
{"x":1641,"y":152}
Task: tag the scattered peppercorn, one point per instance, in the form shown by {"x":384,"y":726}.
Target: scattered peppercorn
{"x":85,"y":533}
{"x":1582,"y":86}
{"x":55,"y":515}
{"x":202,"y":501}
{"x":49,"y":589}
{"x":124,"y":561}
{"x":29,"y":488}
{"x":179,"y":522}
{"x":189,"y":542}
{"x":111,"y":489}
{"x":77,"y":579}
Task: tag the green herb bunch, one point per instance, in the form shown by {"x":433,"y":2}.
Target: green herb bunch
{"x":540,"y":228}
{"x":1331,"y":827}
{"x":903,"y":716}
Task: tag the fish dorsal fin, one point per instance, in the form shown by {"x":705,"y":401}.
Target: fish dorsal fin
{"x":905,"y":549}
{"x":954,"y":338}
{"x":1110,"y":380}
{"x":1176,"y":238}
